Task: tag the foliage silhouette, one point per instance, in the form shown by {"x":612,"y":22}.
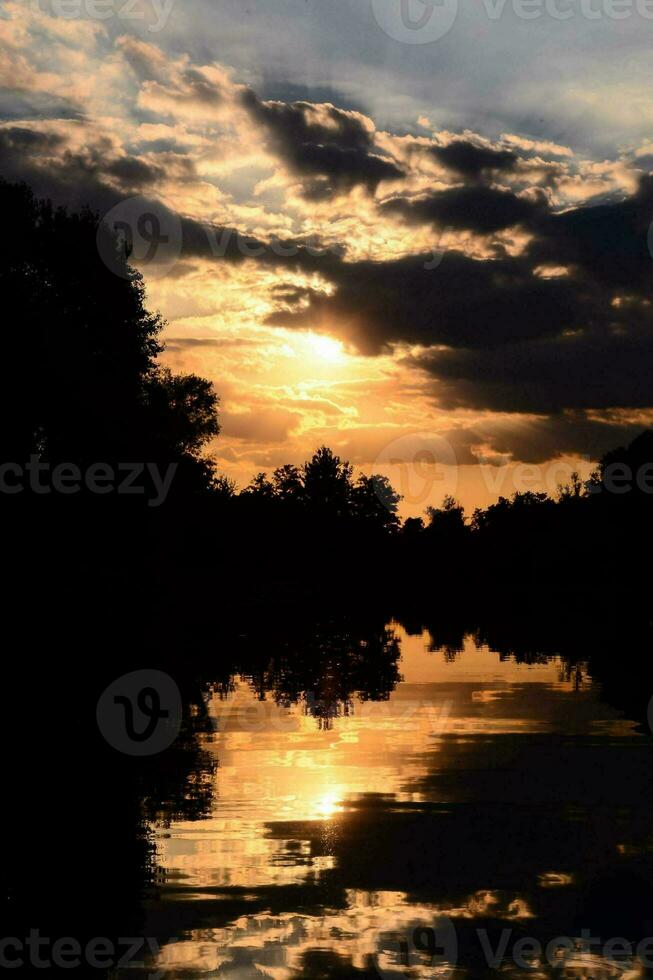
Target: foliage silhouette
{"x":100,"y":585}
{"x":81,"y":383}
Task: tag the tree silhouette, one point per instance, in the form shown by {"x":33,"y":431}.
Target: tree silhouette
{"x":287,"y":483}
{"x":375,"y":501}
{"x":327,"y":483}
{"x":447,"y":521}
{"x":82,"y":384}
{"x":81,"y":381}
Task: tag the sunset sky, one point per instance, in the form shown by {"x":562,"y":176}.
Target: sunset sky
{"x":462,"y":299}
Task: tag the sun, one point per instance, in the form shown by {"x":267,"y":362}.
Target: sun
{"x":326,"y":348}
{"x":327,"y":805}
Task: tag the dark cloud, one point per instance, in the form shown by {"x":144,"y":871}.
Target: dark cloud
{"x":78,"y":179}
{"x":294,"y":296}
{"x":132,"y":172}
{"x":21,"y":104}
{"x":472,"y":160}
{"x":594,"y":369}
{"x":479,"y":209}
{"x":608,"y":243}
{"x":330,"y":147}
{"x":563,"y":332}
{"x":644,"y":162}
{"x":568,"y":433}
{"x":53,"y":172}
{"x":536,"y":440}
{"x":463,"y":302}
{"x":22,"y":140}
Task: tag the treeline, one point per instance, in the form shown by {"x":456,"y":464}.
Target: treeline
{"x":203,"y":585}
{"x":103,"y":451}
{"x":589,"y":537}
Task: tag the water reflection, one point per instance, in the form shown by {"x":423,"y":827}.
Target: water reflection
{"x":378,"y":796}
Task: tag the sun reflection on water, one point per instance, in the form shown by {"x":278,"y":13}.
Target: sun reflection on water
{"x":288,"y":790}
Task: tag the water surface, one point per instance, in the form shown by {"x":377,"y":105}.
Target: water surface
{"x":408,"y":828}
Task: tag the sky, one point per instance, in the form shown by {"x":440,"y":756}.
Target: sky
{"x":416,"y":232}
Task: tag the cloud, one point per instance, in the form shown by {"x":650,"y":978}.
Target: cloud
{"x":147,"y":61}
{"x":569,"y":433}
{"x":274,"y":425}
{"x":545,"y":147}
{"x":189,"y":343}
{"x":560,"y":330}
{"x":607,"y":243}
{"x":538,"y":439}
{"x":333,"y":148}
{"x":49,"y":161}
{"x":479,"y":209}
{"x":21,"y":140}
{"x":132,"y":172}
{"x":464,"y":302}
{"x":597,"y":369}
{"x":473,"y":160}
{"x":303,"y":214}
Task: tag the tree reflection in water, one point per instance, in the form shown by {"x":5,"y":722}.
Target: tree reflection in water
{"x":310,"y":843}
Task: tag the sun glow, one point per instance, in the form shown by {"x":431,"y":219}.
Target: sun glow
{"x":328,"y":804}
{"x":326,"y":348}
